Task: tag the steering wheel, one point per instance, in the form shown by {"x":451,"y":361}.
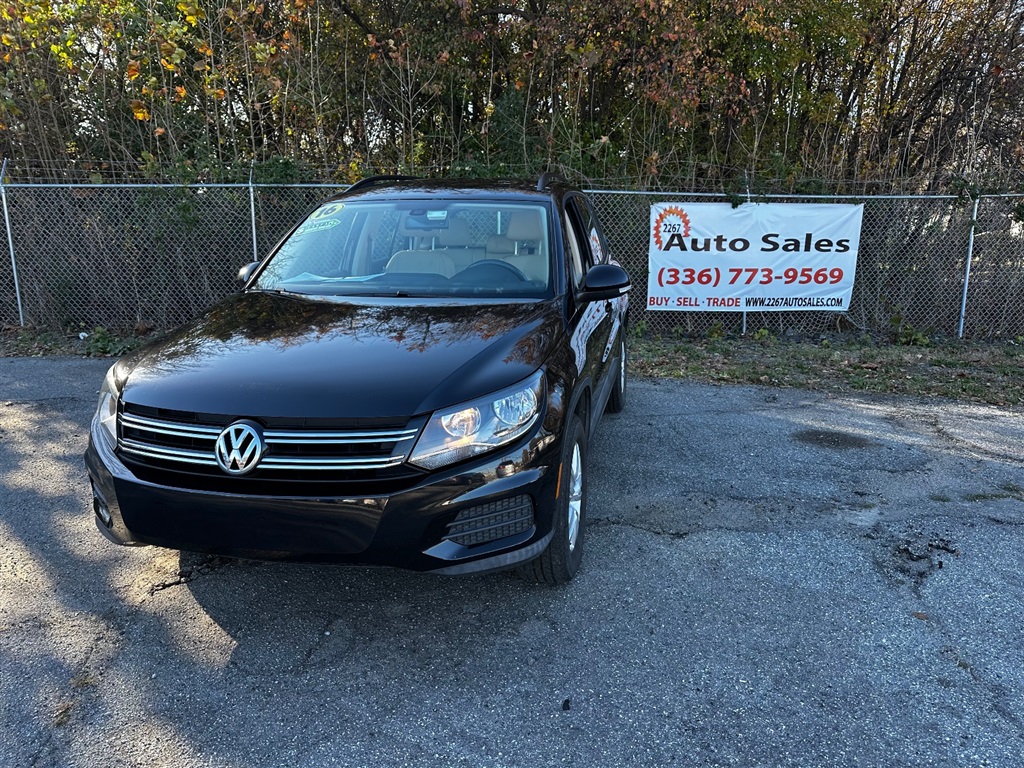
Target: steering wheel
{"x":486,"y":263}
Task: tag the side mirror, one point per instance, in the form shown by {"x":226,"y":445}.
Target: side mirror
{"x":604,"y":282}
{"x":246,"y":272}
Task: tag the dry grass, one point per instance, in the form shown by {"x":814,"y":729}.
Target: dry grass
{"x":16,"y":341}
{"x":988,"y":372}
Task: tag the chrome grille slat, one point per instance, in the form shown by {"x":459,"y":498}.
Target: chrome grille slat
{"x":273,"y":435}
{"x":175,"y":454}
{"x":272,"y":462}
{"x":170,"y":442}
{"x":170,"y":427}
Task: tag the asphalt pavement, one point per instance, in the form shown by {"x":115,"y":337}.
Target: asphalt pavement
{"x":772,"y":578}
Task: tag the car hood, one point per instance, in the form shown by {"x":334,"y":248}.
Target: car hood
{"x":278,"y":356}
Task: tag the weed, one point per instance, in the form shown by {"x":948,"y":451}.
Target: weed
{"x":904,"y":334}
{"x":762,"y":334}
{"x":62,"y":715}
{"x":1014,"y":490}
{"x":83,"y":679}
{"x":987,"y":496}
{"x":102,"y":343}
{"x":908,"y":336}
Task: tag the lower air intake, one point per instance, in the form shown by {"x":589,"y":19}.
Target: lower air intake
{"x":493,"y":521}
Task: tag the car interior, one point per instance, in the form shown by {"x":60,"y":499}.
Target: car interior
{"x":444,"y":248}
{"x":456,"y":253}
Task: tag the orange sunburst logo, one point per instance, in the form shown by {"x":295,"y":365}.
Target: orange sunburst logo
{"x":666,"y":223}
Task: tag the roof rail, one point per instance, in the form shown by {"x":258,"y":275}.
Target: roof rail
{"x":369,"y":181}
{"x":549,"y":177}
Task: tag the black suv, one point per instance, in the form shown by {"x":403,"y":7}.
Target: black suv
{"x":410,"y":379}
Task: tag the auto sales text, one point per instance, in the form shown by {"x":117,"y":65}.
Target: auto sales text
{"x":769,"y":242}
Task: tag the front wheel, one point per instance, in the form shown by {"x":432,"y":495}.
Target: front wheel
{"x":559,"y":562}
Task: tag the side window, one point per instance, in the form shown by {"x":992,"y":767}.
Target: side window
{"x":598,"y":245}
{"x":576,"y":242}
{"x":590,"y":239}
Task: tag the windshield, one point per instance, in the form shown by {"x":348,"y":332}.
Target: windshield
{"x":416,"y":248}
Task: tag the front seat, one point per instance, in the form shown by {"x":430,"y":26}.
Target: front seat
{"x":422,"y":262}
{"x":526,"y":227}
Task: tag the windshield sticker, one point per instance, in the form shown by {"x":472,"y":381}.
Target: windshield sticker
{"x":321,"y":219}
{"x":326,"y":211}
{"x":316,"y":225}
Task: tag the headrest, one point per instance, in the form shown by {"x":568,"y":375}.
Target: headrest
{"x":458,"y":234}
{"x":500,"y":244}
{"x":524,"y":225}
{"x":406,"y":231}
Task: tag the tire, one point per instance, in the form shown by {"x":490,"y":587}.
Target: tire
{"x":617,"y":399}
{"x":561,"y":560}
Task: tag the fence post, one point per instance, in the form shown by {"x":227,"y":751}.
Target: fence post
{"x":10,"y":243}
{"x":967,"y":270}
{"x":252,"y":215}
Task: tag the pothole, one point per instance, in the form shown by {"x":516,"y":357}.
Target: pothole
{"x":824,"y":438}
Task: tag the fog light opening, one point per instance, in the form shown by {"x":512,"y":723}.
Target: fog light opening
{"x":101,"y":510}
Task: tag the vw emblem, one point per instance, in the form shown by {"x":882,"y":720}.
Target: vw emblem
{"x":239,"y":448}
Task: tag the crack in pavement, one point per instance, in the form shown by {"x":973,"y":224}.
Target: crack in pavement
{"x":608,"y":521}
{"x":189,"y":574}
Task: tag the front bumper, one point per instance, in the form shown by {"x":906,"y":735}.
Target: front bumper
{"x":412,"y":528}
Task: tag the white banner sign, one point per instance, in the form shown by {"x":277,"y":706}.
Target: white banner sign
{"x":757,"y":257}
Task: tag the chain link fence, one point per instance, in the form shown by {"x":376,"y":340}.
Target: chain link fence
{"x":910,"y":269}
{"x":138,"y":256}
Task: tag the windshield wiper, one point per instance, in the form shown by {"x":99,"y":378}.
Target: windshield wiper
{"x":395,"y":293}
{"x":271,"y":290}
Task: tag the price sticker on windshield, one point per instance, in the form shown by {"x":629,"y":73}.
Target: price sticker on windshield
{"x":321,"y":219}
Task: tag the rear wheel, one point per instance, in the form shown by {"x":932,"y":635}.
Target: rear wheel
{"x":617,"y":399}
{"x":559,"y":562}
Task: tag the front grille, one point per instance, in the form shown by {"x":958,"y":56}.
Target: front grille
{"x":493,"y":521}
{"x":185,"y":442}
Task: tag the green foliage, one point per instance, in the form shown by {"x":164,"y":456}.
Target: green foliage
{"x":769,"y":96}
{"x":763,"y":335}
{"x":909,"y":337}
{"x":638,"y":329}
{"x":904,"y":334}
{"x":102,"y":343}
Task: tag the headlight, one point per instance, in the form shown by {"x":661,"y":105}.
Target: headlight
{"x":106,"y":409}
{"x":480,"y":426}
